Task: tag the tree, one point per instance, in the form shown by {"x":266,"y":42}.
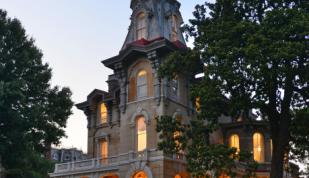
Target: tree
{"x":254,"y":54}
{"x":33,"y":114}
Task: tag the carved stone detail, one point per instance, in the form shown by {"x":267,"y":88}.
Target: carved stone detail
{"x":157,"y":80}
{"x":121,"y":75}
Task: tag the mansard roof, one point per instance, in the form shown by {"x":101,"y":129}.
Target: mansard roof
{"x":142,"y":47}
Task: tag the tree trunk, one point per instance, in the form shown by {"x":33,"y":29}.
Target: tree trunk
{"x":280,"y":139}
{"x":277,"y":161}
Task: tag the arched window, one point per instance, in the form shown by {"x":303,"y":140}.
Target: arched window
{"x":142,"y":84}
{"x":258,"y":147}
{"x":234,"y":142}
{"x":140,"y":175}
{"x":178,"y":176}
{"x":103,"y":113}
{"x":141,"y":26}
{"x":174,"y":36}
{"x":141,"y":134}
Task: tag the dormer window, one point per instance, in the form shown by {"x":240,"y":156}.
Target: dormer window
{"x":103,"y":113}
{"x":141,"y":26}
{"x":142,"y":84}
{"x":174,"y":36}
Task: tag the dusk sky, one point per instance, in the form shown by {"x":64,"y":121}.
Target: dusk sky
{"x":75,"y":35}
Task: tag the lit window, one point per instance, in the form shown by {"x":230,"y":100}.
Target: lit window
{"x":141,"y":26}
{"x":271,"y":147}
{"x":103,"y":113}
{"x":177,"y":176}
{"x":258,"y":147}
{"x":174,"y":86}
{"x":141,"y":134}
{"x":198,"y":104}
{"x":104,"y":149}
{"x":142,"y":84}
{"x":174,"y":28}
{"x":234,"y":142}
{"x":140,"y":175}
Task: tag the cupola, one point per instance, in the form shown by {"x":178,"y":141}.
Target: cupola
{"x":154,"y":19}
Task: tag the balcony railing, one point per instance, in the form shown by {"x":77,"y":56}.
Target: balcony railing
{"x":113,"y":161}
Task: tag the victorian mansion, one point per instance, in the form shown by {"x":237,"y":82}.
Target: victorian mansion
{"x":122,"y":137}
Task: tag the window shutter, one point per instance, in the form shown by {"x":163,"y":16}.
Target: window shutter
{"x":149,"y":83}
{"x":132,"y":89}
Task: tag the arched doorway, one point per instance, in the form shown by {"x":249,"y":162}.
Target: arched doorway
{"x":140,"y":174}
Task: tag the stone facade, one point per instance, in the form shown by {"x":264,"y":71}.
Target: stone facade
{"x":127,"y":100}
{"x":63,"y":155}
{"x":115,"y":134}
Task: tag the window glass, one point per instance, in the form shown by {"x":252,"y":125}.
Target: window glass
{"x":142,"y":84}
{"x":177,"y":176}
{"x":141,"y":26}
{"x":103,"y":113}
{"x":234,"y":142}
{"x":174,"y":28}
{"x":140,"y":175}
{"x":198,"y":104}
{"x":104,"y":149}
{"x":141,"y":134}
{"x":174,"y":86}
{"x":258,"y":147}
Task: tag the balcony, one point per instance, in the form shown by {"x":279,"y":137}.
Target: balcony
{"x":112,"y":163}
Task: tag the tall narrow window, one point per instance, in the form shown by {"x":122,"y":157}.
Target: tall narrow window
{"x":142,"y":84}
{"x":271,"y":147}
{"x":258,"y":147}
{"x":104,"y":149}
{"x":141,"y":26}
{"x":198,"y":104}
{"x":103,"y":113}
{"x":174,"y":36}
{"x":174,"y":86}
{"x":141,"y":134}
{"x":234,"y":142}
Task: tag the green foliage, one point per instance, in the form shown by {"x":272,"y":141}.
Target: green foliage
{"x":33,"y":114}
{"x":254,"y":55}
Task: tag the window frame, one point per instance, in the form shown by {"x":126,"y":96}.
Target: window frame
{"x":103,"y":120}
{"x":141,"y":26}
{"x":141,"y":84}
{"x":258,"y":147}
{"x":174,"y":34}
{"x":174,"y":87}
{"x":103,"y":143}
{"x":141,"y":135}
{"x":234,"y":142}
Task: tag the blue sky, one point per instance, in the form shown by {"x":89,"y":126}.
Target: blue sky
{"x":75,"y":35}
